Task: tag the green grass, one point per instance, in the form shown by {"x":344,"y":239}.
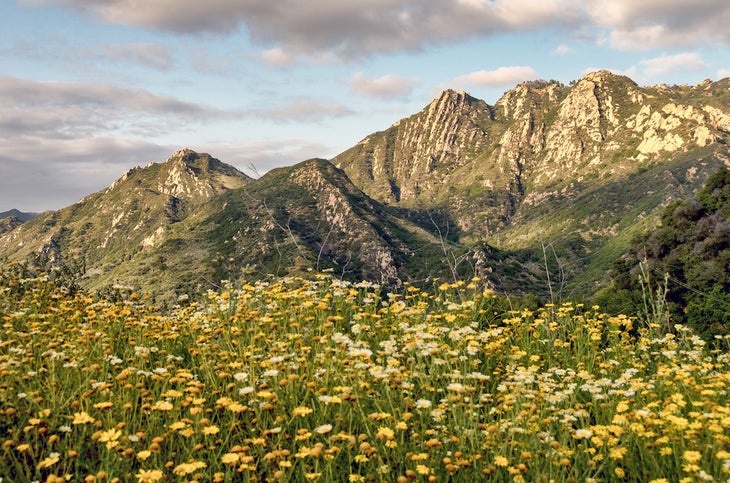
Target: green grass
{"x":303,"y":379}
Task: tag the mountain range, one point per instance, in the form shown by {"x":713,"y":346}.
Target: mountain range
{"x":539,"y":193}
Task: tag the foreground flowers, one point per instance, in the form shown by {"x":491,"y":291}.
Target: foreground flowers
{"x":306,"y":380}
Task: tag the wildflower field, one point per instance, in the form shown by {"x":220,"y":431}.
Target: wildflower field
{"x":322,"y":380}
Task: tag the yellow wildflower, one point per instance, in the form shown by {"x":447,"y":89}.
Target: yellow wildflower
{"x":149,"y":476}
{"x":301,"y":411}
{"x":143,"y":455}
{"x":384,"y":432}
{"x":188,"y":468}
{"x":51,"y":460}
{"x":230,"y":458}
{"x":692,"y":456}
{"x":617,"y":453}
{"x":83,"y":418}
{"x":162,"y":406}
{"x":501,"y":461}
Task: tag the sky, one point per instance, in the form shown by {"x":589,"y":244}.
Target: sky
{"x":92,"y":88}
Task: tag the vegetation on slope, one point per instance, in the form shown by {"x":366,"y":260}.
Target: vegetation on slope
{"x":690,"y":253}
{"x":315,"y":379}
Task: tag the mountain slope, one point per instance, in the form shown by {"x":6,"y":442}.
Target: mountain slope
{"x":107,"y":228}
{"x":21,"y":216}
{"x":482,"y":162}
{"x":184,"y":225}
{"x":311,"y":216}
{"x":539,"y":193}
{"x":567,"y":173}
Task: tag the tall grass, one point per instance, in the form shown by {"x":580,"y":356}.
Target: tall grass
{"x":316,"y":379}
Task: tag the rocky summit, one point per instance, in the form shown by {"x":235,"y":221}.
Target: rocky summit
{"x":538,"y":193}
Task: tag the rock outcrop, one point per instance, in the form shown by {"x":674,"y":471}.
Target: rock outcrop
{"x":545,"y":187}
{"x":540,"y":137}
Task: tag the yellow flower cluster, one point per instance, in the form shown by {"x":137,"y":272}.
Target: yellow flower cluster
{"x":317,"y":379}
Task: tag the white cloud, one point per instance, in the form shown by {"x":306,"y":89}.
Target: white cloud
{"x":65,"y":109}
{"x":51,"y":174}
{"x":650,"y":24}
{"x":151,"y":55}
{"x":666,"y":64}
{"x":343,"y":30}
{"x":300,"y":110}
{"x":74,"y":139}
{"x":277,"y":57}
{"x":348,"y":30}
{"x":563,"y":49}
{"x":503,"y":76}
{"x":389,"y":86}
{"x":47,"y":174}
{"x":722,"y":73}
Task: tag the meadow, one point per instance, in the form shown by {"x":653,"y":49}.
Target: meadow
{"x":315,"y":379}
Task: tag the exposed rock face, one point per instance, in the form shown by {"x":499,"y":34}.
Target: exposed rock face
{"x":551,"y":177}
{"x":8,"y":224}
{"x":408,"y":160}
{"x":131,"y":215}
{"x":539,"y":138}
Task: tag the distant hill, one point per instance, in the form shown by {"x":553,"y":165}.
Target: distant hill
{"x":540,"y":193}
{"x":21,"y":216}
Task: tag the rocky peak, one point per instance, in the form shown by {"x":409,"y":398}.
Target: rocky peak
{"x":524,"y":99}
{"x":187,"y":175}
{"x":451,"y":101}
{"x":407,"y":160}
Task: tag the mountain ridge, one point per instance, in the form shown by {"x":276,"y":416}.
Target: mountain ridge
{"x":20,"y":215}
{"x":548,"y":184}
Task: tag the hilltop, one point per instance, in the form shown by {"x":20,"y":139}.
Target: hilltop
{"x":539,"y":193}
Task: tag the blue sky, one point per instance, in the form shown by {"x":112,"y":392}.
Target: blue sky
{"x":91,"y":88}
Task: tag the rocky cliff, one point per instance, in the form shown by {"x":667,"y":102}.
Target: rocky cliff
{"x":132,"y":215}
{"x":540,"y":192}
{"x":541,"y":139}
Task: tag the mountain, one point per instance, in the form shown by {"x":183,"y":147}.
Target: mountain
{"x":184,"y":225}
{"x":539,"y":193}
{"x":9,"y":224}
{"x":567,"y":173}
{"x":21,"y":216}
{"x":108,"y":229}
{"x":688,"y":255}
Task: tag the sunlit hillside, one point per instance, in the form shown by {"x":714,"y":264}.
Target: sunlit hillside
{"x":322,"y":380}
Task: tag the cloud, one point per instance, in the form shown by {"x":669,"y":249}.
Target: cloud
{"x":48,"y":174}
{"x":389,"y":86}
{"x":722,"y":73}
{"x":661,"y":66}
{"x":300,"y":110}
{"x":52,"y":174}
{"x":63,"y":109}
{"x":64,"y":140}
{"x":563,"y":49}
{"x":73,"y":139}
{"x":652,"y":24}
{"x":339,"y":30}
{"x":503,"y":76}
{"x":277,"y":57}
{"x":150,"y":55}
{"x":359,"y":28}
